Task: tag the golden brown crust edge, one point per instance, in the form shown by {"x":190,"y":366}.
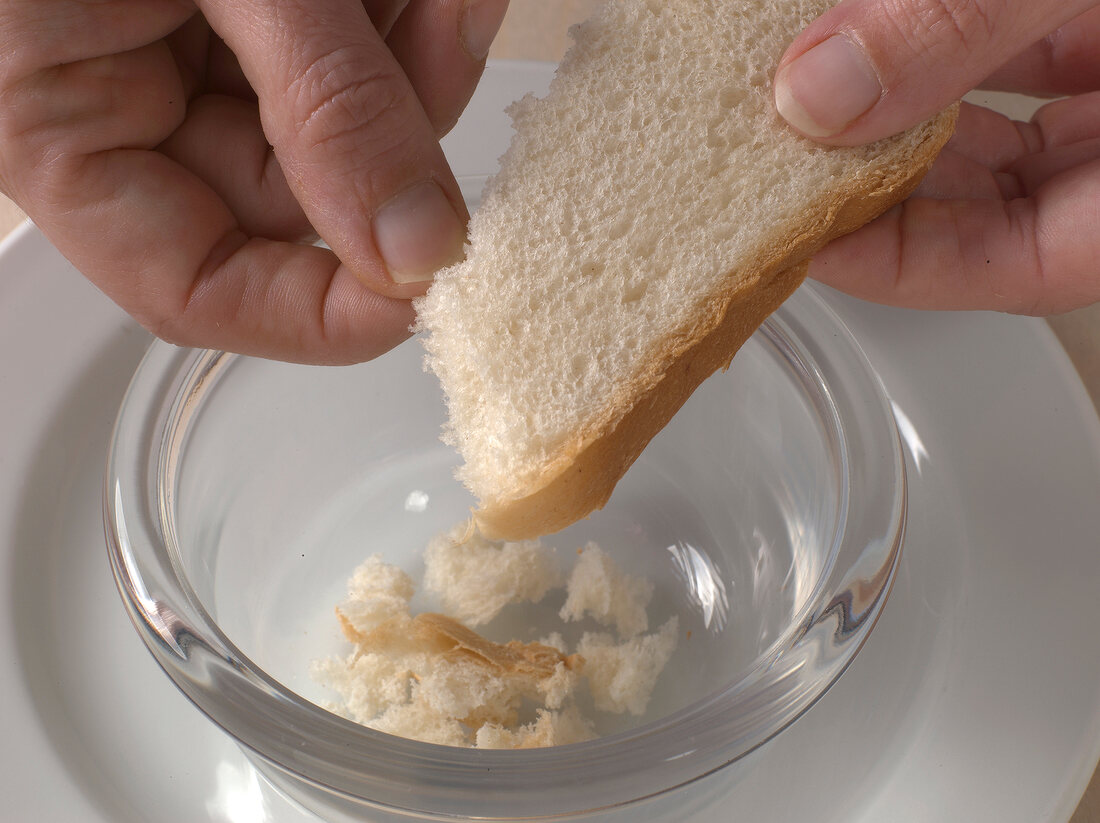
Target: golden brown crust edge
{"x":580,"y":480}
{"x":592,"y":473}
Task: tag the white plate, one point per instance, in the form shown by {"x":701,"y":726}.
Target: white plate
{"x":976,"y":698}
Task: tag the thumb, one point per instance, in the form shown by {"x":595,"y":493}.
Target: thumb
{"x":868,"y":69}
{"x":351,"y":136}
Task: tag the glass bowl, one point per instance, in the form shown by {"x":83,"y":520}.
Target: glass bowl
{"x":241,"y":493}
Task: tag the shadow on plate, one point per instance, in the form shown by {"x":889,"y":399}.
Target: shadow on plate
{"x":74,"y":645}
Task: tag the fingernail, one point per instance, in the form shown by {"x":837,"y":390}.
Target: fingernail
{"x":827,"y":88}
{"x":418,"y":232}
{"x":479,"y":24}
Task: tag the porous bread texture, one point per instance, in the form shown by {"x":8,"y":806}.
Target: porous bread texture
{"x":548,"y":729}
{"x":431,"y":678}
{"x":621,"y":675}
{"x":377,"y":592}
{"x":651,"y":211}
{"x":600,"y":589}
{"x":475,"y":578}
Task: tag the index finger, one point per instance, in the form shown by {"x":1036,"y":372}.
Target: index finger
{"x":353,"y":140}
{"x":80,"y":159}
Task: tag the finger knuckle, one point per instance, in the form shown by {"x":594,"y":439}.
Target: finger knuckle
{"x":940,"y":26}
{"x":12,"y":137}
{"x":343,"y":105}
{"x":173,"y":320}
{"x":164,"y":327}
{"x":33,"y":168}
{"x":38,"y":140}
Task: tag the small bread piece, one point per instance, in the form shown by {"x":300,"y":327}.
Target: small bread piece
{"x":377,"y":592}
{"x":548,"y":729}
{"x":524,"y":662}
{"x":652,"y":210}
{"x":416,"y":721}
{"x":600,"y":588}
{"x":476,"y":578}
{"x":439,"y":636}
{"x":461,"y":674}
{"x":621,"y":675}
{"x":430,"y":677}
{"x":368,"y":684}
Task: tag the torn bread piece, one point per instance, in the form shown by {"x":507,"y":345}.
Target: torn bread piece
{"x":432,"y":678}
{"x":548,"y":729}
{"x":653,"y":209}
{"x":476,"y":578}
{"x":621,"y":674}
{"x":600,"y":588}
{"x":460,"y":674}
{"x":377,"y":592}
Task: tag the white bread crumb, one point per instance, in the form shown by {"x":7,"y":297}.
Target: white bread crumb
{"x":621,"y":676}
{"x":558,"y":687}
{"x":417,"y":721}
{"x":548,"y":729}
{"x":367,"y":683}
{"x":377,"y":592}
{"x":475,"y":578}
{"x":431,"y":678}
{"x":599,"y":588}
{"x":377,"y":580}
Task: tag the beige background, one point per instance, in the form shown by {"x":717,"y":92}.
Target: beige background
{"x":537,"y":29}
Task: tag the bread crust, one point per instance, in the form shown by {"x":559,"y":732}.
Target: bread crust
{"x":438,"y":634}
{"x":580,"y":479}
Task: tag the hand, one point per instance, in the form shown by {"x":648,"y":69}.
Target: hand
{"x":1009,"y":216}
{"x":182,"y":153}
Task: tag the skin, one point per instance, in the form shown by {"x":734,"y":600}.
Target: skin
{"x":183,"y":154}
{"x":1009,"y":216}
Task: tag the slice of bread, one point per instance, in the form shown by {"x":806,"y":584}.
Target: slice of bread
{"x":652,"y":210}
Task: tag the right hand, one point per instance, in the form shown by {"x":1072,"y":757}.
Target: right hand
{"x":183,"y":153}
{"x":1009,"y":216}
